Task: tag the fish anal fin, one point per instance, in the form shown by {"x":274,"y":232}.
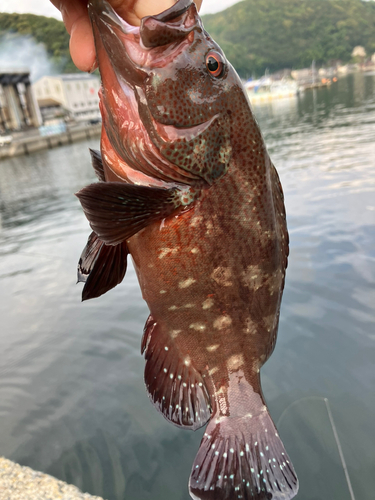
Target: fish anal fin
{"x":175,"y":387}
{"x":242,"y":457}
{"x":97,"y":163}
{"x":101,"y":267}
{"x":116,"y":211}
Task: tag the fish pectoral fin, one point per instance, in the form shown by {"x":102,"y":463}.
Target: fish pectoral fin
{"x":101,"y":267}
{"x":175,"y":387}
{"x":116,"y":211}
{"x":242,"y":457}
{"x":97,"y":164}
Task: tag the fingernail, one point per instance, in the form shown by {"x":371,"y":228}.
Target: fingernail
{"x":93,"y":67}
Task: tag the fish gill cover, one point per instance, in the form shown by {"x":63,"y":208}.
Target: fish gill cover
{"x":188,"y":189}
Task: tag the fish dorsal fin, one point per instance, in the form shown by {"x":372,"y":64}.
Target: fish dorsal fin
{"x":97,"y":163}
{"x":101,"y":267}
{"x":175,"y":387}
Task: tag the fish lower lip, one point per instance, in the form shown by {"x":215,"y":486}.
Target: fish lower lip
{"x":172,"y":133}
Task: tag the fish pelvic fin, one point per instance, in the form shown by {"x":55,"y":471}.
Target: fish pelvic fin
{"x":242,"y":458}
{"x":174,"y":386}
{"x":101,"y":267}
{"x":116,"y":211}
{"x":97,"y":164}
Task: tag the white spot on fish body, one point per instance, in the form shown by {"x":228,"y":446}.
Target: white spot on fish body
{"x":187,"y":360}
{"x":212,"y":348}
{"x":174,"y":333}
{"x":235,"y":362}
{"x":196,"y":220}
{"x":166,"y":251}
{"x":222,"y":322}
{"x":189,"y":306}
{"x":197,"y":326}
{"x":207,"y":303}
{"x":194,"y":250}
{"x":172,"y":308}
{"x":186,"y":283}
{"x":163,"y":291}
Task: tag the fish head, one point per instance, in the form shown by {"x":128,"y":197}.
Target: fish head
{"x":167,"y":93}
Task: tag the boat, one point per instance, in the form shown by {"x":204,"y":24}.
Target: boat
{"x":265,"y":89}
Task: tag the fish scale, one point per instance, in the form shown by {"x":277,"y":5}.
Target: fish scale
{"x":189,"y":191}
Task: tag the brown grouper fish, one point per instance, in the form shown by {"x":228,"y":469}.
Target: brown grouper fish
{"x":188,"y":190}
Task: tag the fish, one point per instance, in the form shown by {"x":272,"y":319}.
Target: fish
{"x":187,"y":188}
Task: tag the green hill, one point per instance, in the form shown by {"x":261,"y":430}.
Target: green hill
{"x":46,"y":30}
{"x":255,"y":34}
{"x":276,"y":34}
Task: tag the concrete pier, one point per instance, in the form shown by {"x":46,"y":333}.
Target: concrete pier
{"x":22,"y":483}
{"x":26,"y":143}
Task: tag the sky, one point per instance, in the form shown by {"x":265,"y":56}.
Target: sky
{"x":45,"y":8}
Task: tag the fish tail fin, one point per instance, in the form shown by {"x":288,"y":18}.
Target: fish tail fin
{"x":242,"y":458}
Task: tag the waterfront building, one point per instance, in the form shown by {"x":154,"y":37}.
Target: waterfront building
{"x":72,"y":95}
{"x":18,"y":107}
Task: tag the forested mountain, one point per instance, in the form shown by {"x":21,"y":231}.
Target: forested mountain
{"x":255,"y":34}
{"x":276,"y":34}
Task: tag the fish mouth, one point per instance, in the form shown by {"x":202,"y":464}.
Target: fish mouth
{"x":127,"y":55}
{"x":144,"y":45}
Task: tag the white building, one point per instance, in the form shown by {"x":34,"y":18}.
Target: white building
{"x":75,"y":95}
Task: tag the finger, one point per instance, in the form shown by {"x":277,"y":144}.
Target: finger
{"x":82,"y":48}
{"x":134,"y":10}
{"x":76,"y":20}
{"x":71,"y":11}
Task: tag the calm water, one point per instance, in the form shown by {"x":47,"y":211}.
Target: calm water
{"x":72,"y":398}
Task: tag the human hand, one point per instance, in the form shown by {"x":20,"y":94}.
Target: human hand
{"x":77,"y":23}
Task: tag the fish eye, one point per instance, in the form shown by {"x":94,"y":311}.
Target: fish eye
{"x":215,"y":64}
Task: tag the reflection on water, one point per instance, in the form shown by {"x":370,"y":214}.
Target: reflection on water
{"x":72,"y":398}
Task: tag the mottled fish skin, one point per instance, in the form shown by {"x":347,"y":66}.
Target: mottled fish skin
{"x":212,"y":272}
